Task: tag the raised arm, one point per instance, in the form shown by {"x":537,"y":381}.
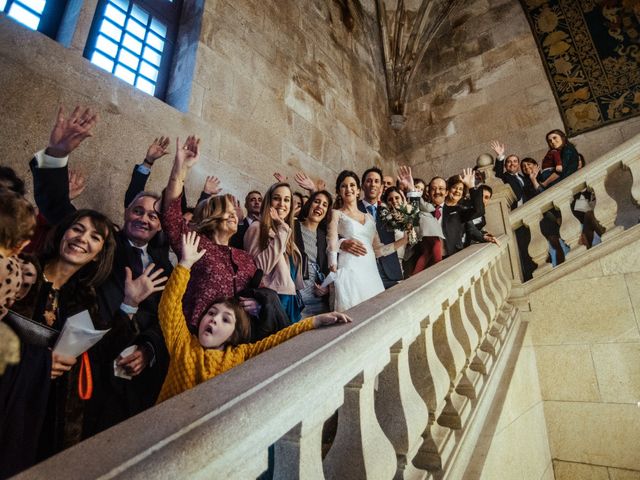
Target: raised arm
{"x":477,"y":206}
{"x":211,"y":187}
{"x":498,"y":166}
{"x":50,"y":166}
{"x":187,"y":155}
{"x":172,"y":321}
{"x":158,"y":149}
{"x":305,"y":182}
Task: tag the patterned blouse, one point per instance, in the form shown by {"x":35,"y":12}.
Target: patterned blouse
{"x":222,"y":272}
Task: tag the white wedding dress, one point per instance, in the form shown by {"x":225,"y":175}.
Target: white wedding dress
{"x":357,"y":278}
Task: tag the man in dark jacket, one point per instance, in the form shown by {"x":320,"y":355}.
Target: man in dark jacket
{"x":388,"y":266}
{"x":452,"y":218}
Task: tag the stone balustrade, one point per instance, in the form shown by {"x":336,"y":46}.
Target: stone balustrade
{"x":405,"y":378}
{"x":594,"y":175}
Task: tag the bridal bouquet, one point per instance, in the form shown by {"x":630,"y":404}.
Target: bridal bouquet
{"x":404,"y":218}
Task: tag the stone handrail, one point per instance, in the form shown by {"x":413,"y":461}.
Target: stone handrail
{"x":560,"y":196}
{"x":405,"y":377}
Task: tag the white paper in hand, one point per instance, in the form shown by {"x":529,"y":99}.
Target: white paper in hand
{"x":78,"y":335}
{"x":329,"y":279}
{"x":119,"y":371}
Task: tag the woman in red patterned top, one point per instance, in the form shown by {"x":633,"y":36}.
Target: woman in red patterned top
{"x":223,"y":271}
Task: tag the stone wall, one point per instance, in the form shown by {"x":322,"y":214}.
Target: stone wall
{"x":514,"y":440}
{"x":587,"y":356}
{"x":482,"y":78}
{"x":278,"y":86}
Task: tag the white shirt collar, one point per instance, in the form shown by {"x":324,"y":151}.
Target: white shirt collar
{"x":143,"y":247}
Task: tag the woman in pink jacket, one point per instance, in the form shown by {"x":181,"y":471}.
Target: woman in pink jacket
{"x":271,"y":242}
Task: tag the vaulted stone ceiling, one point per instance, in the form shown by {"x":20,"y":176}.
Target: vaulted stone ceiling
{"x":407,"y":28}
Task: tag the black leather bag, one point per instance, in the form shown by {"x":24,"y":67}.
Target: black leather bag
{"x":30,"y":331}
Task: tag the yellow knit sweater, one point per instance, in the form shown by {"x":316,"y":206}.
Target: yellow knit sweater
{"x":192,"y":364}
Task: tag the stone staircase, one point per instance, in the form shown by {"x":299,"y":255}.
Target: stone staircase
{"x":427,"y":382}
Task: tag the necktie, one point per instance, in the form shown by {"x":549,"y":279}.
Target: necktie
{"x":372,"y":210}
{"x":520,"y":180}
{"x":136,"y":267}
{"x":438,"y":212}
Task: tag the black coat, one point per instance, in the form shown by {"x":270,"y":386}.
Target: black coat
{"x":39,"y":416}
{"x":474,"y":232}
{"x":116,"y":398}
{"x":454,"y":219}
{"x":237,"y":240}
{"x":524,"y":191}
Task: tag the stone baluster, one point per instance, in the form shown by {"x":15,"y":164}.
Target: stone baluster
{"x":606,"y":209}
{"x":633,"y":164}
{"x":571,"y":228}
{"x":505,"y":272}
{"x":361,"y":449}
{"x":298,"y":454}
{"x":491,"y":300}
{"x":499,"y":279}
{"x":494,"y":285}
{"x":463,"y":390}
{"x":496,"y":328}
{"x":506,"y":312}
{"x":480,"y":318}
{"x":432,"y":382}
{"x":538,"y":247}
{"x":473,"y":371}
{"x":452,"y":355}
{"x":490,"y":343}
{"x":402,"y":413}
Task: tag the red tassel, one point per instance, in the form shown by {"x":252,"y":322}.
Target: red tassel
{"x":85,"y":382}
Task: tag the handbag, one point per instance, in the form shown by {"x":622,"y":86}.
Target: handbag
{"x":30,"y":331}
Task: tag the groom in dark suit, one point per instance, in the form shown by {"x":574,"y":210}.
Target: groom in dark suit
{"x":388,"y":266}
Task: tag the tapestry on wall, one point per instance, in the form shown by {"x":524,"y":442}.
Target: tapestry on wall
{"x":591,"y":52}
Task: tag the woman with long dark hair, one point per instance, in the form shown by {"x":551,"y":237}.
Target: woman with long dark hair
{"x":42,"y":411}
{"x":560,"y":161}
{"x":311,"y":239}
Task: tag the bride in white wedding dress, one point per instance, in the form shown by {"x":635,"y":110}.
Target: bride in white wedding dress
{"x":357,"y":277}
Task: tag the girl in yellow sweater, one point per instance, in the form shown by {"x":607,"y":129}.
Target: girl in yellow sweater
{"x":222,"y":330}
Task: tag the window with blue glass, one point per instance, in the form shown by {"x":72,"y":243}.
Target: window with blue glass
{"x":41,"y":15}
{"x":134,"y":39}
